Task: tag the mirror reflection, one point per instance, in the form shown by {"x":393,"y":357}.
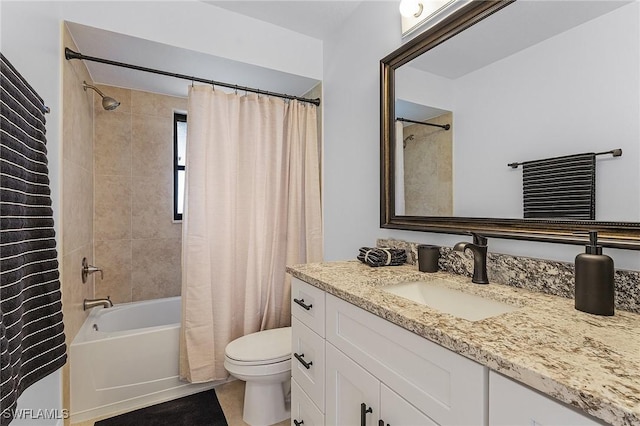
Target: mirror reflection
{"x":536,"y":80}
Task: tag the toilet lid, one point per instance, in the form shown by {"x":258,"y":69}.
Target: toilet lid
{"x":263,"y":347}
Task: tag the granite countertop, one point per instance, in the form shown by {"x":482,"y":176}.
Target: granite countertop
{"x":588,"y":361}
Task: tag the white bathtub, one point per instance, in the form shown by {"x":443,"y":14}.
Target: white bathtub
{"x":126,"y":357}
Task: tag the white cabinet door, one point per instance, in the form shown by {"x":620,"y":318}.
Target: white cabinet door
{"x":396,"y":411}
{"x":513,"y":404}
{"x":349,"y":386}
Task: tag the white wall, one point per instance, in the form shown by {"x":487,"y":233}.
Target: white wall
{"x":351,"y":161}
{"x":30,"y":40}
{"x":203,"y":28}
{"x":351,"y":127}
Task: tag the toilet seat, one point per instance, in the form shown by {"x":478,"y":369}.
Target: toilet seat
{"x":260,"y":348}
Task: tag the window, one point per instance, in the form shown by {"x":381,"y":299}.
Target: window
{"x":179,"y":162}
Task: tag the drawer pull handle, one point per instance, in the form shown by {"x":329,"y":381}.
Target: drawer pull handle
{"x":306,"y":364}
{"x":363,"y":413}
{"x":301,"y":303}
{"x":381,"y":423}
{"x":298,"y":423}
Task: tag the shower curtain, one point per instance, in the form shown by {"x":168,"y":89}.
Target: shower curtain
{"x":252,"y":206}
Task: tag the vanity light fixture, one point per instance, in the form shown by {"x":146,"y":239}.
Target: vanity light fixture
{"x":410,"y":8}
{"x":422,"y":14}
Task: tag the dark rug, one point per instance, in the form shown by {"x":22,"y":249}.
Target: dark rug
{"x":200,"y":409}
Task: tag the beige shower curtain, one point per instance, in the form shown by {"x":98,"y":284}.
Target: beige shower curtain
{"x":252,"y":206}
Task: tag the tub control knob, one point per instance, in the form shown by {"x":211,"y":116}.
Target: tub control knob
{"x":89,"y":269}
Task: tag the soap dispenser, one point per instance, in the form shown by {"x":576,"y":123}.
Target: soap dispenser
{"x":595,"y":290}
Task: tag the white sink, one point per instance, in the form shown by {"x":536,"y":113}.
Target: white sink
{"x":457,"y":303}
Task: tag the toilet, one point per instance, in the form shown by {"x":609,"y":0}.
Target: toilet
{"x":263,"y":361}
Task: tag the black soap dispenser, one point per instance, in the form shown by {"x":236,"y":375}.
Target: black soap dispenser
{"x":595,"y":290}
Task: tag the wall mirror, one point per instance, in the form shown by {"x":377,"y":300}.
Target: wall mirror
{"x":502,"y":82}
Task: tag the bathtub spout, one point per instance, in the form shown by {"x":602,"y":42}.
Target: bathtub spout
{"x":92,"y":303}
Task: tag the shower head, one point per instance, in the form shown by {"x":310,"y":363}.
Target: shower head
{"x":108,"y":102}
{"x":408,"y":138}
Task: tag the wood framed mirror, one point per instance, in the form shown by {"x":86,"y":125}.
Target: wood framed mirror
{"x":480,"y":180}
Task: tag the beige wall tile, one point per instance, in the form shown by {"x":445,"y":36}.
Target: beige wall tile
{"x":152,"y":145}
{"x":147,"y":103}
{"x":156,"y":272}
{"x":77,"y":199}
{"x":114,"y":258}
{"x":74,"y":291}
{"x":112,"y":217}
{"x":133,"y":158}
{"x":152,"y":209}
{"x":112,"y":143}
{"x":77,"y":207}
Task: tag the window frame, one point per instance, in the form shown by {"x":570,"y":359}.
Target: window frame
{"x":178,"y":117}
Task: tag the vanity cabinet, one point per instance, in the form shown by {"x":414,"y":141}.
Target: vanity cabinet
{"x":348,"y":357}
{"x":443,"y":386}
{"x":513,"y":404}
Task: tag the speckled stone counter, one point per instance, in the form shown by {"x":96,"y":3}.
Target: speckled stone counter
{"x":587,"y":361}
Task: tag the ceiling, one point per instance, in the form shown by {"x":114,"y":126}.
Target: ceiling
{"x":317,"y":19}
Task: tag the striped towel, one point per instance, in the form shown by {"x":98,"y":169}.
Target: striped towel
{"x":382,"y":256}
{"x":561,"y":187}
{"x":32,"y":341}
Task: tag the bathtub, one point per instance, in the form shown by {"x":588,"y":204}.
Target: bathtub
{"x":126,"y":357}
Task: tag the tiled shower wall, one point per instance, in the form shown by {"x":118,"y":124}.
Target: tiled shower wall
{"x":136,"y":242}
{"x":77,"y":199}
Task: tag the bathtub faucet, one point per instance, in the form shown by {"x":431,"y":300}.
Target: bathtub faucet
{"x":92,"y":303}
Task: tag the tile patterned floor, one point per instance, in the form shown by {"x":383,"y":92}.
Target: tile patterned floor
{"x":231,"y":397}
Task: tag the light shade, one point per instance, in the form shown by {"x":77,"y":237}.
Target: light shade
{"x":410,"y":8}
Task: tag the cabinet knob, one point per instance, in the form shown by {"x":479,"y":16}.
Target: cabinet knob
{"x":301,"y":303}
{"x":298,"y":423}
{"x":363,"y":413}
{"x":381,"y":423}
{"x":300,"y":357}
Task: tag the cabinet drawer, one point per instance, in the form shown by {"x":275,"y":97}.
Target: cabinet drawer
{"x":447,"y":387}
{"x":303,"y":409}
{"x":307,"y":361}
{"x":307,"y":304}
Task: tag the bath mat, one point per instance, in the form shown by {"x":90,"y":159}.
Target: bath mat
{"x":200,"y":409}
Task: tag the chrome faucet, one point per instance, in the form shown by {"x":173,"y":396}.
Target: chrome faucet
{"x":92,"y":303}
{"x":479,"y":250}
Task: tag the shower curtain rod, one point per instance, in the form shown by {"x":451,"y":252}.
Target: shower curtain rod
{"x":443,"y":126}
{"x":70,"y":54}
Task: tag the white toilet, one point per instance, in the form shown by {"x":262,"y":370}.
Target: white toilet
{"x":263,"y":361}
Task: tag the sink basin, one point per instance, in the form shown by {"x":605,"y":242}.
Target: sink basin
{"x":457,"y":303}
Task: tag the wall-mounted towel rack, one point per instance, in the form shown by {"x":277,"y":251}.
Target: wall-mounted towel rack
{"x":442,"y":126}
{"x":615,"y":152}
